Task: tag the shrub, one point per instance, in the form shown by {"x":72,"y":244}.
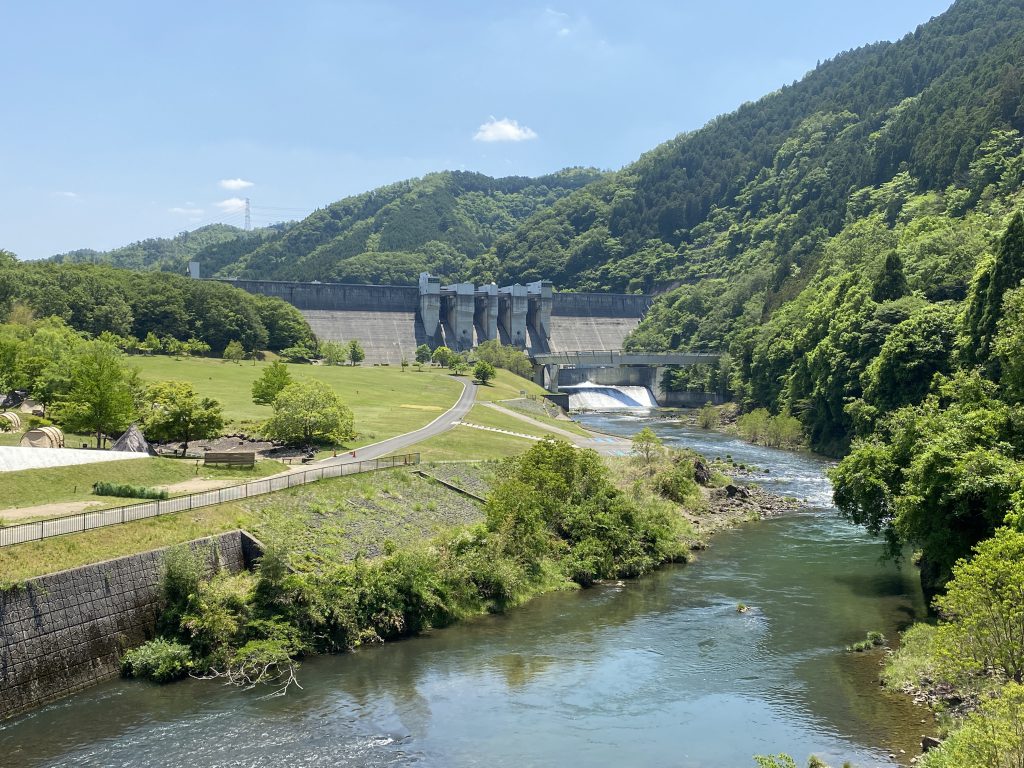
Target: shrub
{"x":993,"y":736}
{"x":124,"y":490}
{"x":708,"y":417}
{"x":158,"y":660}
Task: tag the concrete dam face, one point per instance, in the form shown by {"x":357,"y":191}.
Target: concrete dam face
{"x":390,"y":321}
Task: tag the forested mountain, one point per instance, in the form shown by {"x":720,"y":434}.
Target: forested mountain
{"x":389,"y":235}
{"x":439,"y":223}
{"x":215,"y":245}
{"x":768,"y":184}
{"x":839,"y":241}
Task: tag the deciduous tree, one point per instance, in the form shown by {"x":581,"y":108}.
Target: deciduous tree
{"x":100,"y":398}
{"x":176,"y":412}
{"x":309,"y":411}
{"x":274,"y":378}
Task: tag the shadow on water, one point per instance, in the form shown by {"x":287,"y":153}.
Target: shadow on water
{"x":663,"y":671}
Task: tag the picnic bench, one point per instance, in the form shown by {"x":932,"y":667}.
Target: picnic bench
{"x":231,"y":459}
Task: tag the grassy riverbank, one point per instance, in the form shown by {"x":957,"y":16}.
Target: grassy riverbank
{"x":555,"y":519}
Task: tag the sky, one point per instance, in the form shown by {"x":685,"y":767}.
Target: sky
{"x":126,"y":120}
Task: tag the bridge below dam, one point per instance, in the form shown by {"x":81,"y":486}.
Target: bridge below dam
{"x":571,"y":371}
{"x":390,"y":321}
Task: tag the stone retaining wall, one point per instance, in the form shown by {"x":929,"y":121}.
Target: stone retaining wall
{"x":65,"y":631}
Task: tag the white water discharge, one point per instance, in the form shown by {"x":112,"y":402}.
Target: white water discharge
{"x":600,"y":397}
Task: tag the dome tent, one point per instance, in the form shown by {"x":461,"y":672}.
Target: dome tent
{"x":10,"y":422}
{"x":43,"y":437}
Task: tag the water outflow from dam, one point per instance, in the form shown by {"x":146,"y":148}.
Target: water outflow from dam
{"x":600,"y":397}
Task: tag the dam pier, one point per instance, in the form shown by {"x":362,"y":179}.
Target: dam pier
{"x":571,"y":338}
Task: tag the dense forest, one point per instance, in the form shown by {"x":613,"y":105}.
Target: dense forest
{"x":98,"y":300}
{"x":440,"y":223}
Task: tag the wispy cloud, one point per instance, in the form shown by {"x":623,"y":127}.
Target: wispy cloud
{"x":505,"y":129}
{"x":558,"y":22}
{"x":235,"y":184}
{"x":231,"y":205}
{"x":69,"y":195}
{"x":185,"y":211}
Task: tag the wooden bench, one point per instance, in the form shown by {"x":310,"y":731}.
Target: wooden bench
{"x":240,"y":459}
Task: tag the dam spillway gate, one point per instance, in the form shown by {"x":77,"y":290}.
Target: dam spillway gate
{"x":390,"y":321}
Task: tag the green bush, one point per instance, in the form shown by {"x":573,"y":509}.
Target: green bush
{"x":992,"y":736}
{"x":158,"y":660}
{"x":125,"y":490}
{"x":708,"y":417}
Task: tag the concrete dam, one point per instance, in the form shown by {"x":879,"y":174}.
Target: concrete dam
{"x":390,"y":321}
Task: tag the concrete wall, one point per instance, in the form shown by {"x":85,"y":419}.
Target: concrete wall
{"x":577,"y":321}
{"x":66,"y":631}
{"x":374,"y":298}
{"x":601,"y":304}
{"x":688,"y":399}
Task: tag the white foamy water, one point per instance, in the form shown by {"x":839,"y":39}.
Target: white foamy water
{"x":600,"y":397}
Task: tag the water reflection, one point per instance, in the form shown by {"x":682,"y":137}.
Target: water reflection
{"x":659,"y":671}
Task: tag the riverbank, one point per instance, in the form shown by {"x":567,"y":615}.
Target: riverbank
{"x":648,"y":671}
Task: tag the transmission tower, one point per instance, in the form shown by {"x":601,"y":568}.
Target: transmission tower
{"x":248,"y":216}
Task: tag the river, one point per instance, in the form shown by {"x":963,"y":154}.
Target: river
{"x":660,"y":671}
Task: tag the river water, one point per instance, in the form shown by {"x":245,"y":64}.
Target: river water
{"x":662,"y":671}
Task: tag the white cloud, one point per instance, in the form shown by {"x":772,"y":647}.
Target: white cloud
{"x":504,"y":130}
{"x":185,"y":211}
{"x":235,"y":184}
{"x":231,"y":205}
{"x":70,"y":195}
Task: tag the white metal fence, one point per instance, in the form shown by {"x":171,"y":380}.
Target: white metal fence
{"x":84,"y":521}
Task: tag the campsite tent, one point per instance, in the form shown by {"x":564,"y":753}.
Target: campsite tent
{"x":43,"y":437}
{"x":10,"y":422}
{"x":133,"y":441}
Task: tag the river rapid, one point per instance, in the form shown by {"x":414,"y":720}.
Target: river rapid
{"x":659,"y":671}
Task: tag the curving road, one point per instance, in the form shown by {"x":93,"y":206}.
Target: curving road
{"x":399,"y":443}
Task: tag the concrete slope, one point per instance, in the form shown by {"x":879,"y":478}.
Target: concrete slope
{"x":386,"y":337}
{"x":571,"y":333}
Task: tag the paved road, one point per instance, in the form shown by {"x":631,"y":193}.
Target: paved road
{"x":400,"y":443}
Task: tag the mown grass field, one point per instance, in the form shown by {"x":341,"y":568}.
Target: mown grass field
{"x":384,"y":400}
{"x":506,"y":386}
{"x":32,"y":487}
{"x":468,"y":444}
{"x":488,"y":417}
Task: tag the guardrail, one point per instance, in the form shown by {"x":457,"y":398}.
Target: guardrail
{"x":85,"y":521}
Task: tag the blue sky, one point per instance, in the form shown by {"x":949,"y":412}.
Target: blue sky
{"x":122,"y":121}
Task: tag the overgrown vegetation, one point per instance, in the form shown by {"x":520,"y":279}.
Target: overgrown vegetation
{"x":554,"y":520}
{"x":126,"y":490}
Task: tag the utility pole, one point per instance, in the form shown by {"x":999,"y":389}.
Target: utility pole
{"x":248,"y":218}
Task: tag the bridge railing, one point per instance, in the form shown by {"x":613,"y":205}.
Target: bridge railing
{"x":86,"y":521}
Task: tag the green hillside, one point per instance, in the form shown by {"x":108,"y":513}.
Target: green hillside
{"x":439,"y":223}
{"x":770,"y":182}
{"x":215,"y":244}
{"x":389,"y":235}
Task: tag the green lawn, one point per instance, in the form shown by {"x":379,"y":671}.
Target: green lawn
{"x":506,"y":386}
{"x":31,"y":487}
{"x":567,"y":424}
{"x":385,"y":400}
{"x":468,"y":444}
{"x":488,"y":417}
